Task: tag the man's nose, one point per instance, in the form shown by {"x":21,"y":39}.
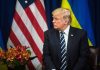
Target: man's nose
{"x":53,"y":20}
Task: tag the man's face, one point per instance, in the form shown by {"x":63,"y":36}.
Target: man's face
{"x":59,"y":22}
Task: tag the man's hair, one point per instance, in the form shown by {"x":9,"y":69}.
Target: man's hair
{"x":66,"y":13}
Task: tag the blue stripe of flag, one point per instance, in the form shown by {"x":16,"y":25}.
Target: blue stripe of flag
{"x":81,"y":11}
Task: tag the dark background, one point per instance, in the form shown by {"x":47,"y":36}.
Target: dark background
{"x":7,"y":11}
{"x":94,"y":6}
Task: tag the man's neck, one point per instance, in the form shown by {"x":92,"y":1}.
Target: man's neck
{"x":65,"y":27}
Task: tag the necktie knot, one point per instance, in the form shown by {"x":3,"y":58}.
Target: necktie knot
{"x":62,"y":32}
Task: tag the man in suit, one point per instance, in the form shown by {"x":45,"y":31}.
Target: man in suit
{"x":76,"y":44}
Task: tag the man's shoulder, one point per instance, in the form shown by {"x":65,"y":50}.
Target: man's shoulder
{"x":78,"y":29}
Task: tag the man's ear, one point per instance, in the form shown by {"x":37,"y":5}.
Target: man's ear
{"x":65,"y":21}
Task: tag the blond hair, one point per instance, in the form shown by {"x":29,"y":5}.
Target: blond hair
{"x":65,"y":12}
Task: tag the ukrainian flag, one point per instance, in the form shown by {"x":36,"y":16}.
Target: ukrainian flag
{"x":80,"y":16}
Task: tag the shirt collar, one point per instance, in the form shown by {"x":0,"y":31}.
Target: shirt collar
{"x":66,"y":31}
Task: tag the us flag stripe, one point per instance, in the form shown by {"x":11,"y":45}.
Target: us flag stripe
{"x":40,"y":8}
{"x":35,"y":23}
{"x":14,"y":38}
{"x":28,"y":36}
{"x":27,"y":29}
{"x":28,"y":24}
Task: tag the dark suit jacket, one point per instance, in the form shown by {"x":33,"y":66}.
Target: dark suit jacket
{"x":77,"y":50}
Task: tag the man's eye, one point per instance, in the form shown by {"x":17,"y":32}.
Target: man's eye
{"x":56,"y":18}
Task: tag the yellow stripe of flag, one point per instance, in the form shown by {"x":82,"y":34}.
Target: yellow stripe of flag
{"x":74,"y":23}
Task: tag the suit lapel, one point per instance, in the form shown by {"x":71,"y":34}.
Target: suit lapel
{"x":58,"y":42}
{"x":69,"y":44}
{"x":70,"y":39}
{"x":57,"y":37}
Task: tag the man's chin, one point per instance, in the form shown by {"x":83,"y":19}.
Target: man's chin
{"x":56,"y":28}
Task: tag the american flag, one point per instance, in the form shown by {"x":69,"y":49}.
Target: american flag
{"x":29,"y":23}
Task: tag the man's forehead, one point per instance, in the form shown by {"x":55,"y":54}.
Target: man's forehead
{"x":57,"y":15}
